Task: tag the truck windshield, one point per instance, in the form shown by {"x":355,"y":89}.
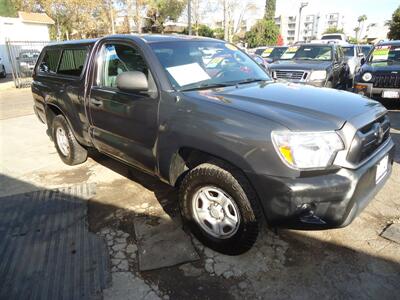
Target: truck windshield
{"x":196,"y":65}
{"x":314,"y":53}
{"x":348,"y":51}
{"x":387,"y":53}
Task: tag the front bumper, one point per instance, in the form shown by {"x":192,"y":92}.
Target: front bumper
{"x":367,"y":89}
{"x":324,"y":201}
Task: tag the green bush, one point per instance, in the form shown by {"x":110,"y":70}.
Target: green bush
{"x":264,"y":32}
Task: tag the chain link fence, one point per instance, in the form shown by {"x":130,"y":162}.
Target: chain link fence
{"x":23,"y":56}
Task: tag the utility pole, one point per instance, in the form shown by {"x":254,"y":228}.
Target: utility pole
{"x":226,"y":32}
{"x":302,"y":5}
{"x":190,"y":17}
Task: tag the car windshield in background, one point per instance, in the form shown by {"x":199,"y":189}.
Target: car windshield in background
{"x":274,"y":53}
{"x":313,"y":53}
{"x":387,"y":53}
{"x":260,"y":51}
{"x":196,"y":65}
{"x":332,"y":37}
{"x":348,"y":51}
{"x":289,"y":53}
{"x":366,"y":50}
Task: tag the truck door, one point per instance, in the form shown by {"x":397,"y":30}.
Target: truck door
{"x":123,"y":124}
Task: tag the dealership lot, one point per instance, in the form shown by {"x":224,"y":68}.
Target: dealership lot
{"x":342,"y":263}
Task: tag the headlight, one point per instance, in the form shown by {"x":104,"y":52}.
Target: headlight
{"x":23,"y":64}
{"x":307,"y":150}
{"x":318,"y":75}
{"x":367,"y":76}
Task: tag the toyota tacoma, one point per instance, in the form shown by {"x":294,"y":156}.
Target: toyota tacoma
{"x":240,"y":147}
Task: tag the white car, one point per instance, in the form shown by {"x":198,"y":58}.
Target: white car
{"x":334,"y":36}
{"x":354,"y":56}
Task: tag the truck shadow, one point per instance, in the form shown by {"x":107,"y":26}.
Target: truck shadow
{"x":288,"y":264}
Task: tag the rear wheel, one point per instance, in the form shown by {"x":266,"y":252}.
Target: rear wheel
{"x":220,"y":207}
{"x":68,"y":148}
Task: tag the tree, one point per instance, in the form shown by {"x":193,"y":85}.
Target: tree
{"x":219,"y":33}
{"x":394,"y":25}
{"x":7,"y":9}
{"x":333,"y":30}
{"x":264,"y":32}
{"x":160,"y":11}
{"x":201,"y":30}
{"x":356,"y":31}
{"x":270,"y":7}
{"x":361,"y":20}
{"x":280,"y":41}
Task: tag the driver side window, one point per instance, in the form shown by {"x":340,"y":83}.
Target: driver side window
{"x":117,"y":59}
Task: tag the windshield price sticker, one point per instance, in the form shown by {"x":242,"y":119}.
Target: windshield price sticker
{"x":267,"y":52}
{"x":289,"y":53}
{"x":187,"y":74}
{"x":214,"y":62}
{"x":381,"y":53}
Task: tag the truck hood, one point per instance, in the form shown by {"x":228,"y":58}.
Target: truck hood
{"x":297,"y":107}
{"x":385,"y":66}
{"x":300,"y":65}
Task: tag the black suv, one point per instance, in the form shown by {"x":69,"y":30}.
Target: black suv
{"x":379,"y":76}
{"x":321,"y":65}
{"x":237,"y":145}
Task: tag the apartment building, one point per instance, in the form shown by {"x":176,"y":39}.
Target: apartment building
{"x":312,"y":26}
{"x":288,"y":28}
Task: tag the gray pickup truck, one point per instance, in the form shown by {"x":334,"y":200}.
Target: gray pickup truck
{"x":202,"y":116}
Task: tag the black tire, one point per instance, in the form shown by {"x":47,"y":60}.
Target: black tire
{"x":238,"y":188}
{"x":76,"y":154}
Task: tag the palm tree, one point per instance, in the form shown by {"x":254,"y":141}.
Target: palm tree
{"x":356,"y":30}
{"x":361,"y":20}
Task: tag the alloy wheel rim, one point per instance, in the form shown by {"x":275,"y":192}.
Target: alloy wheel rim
{"x":62,"y":141}
{"x":216,"y":212}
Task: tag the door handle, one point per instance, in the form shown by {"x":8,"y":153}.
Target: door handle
{"x":96,"y":102}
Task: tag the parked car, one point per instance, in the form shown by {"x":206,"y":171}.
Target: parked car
{"x":272,"y":54}
{"x":379,"y":76}
{"x":365,"y":49}
{"x":239,"y":146}
{"x":2,"y":69}
{"x":26,"y":61}
{"x":320,"y":65}
{"x":353,"y":57}
{"x":334,"y":36}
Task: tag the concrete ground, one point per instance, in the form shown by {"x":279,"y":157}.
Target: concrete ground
{"x":353,"y":262}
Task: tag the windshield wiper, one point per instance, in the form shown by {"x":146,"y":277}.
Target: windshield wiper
{"x":204,"y":86}
{"x":249,"y":80}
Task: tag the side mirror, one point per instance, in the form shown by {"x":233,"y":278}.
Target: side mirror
{"x":362,"y":60}
{"x":132,"y":81}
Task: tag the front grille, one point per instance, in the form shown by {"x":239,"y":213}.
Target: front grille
{"x":368,"y":139}
{"x":387,"y":80}
{"x":290,"y":75}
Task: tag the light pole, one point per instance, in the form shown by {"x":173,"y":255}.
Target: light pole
{"x":302,"y":5}
{"x":189,"y":17}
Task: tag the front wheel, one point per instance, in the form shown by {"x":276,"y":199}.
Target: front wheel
{"x":220,"y":207}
